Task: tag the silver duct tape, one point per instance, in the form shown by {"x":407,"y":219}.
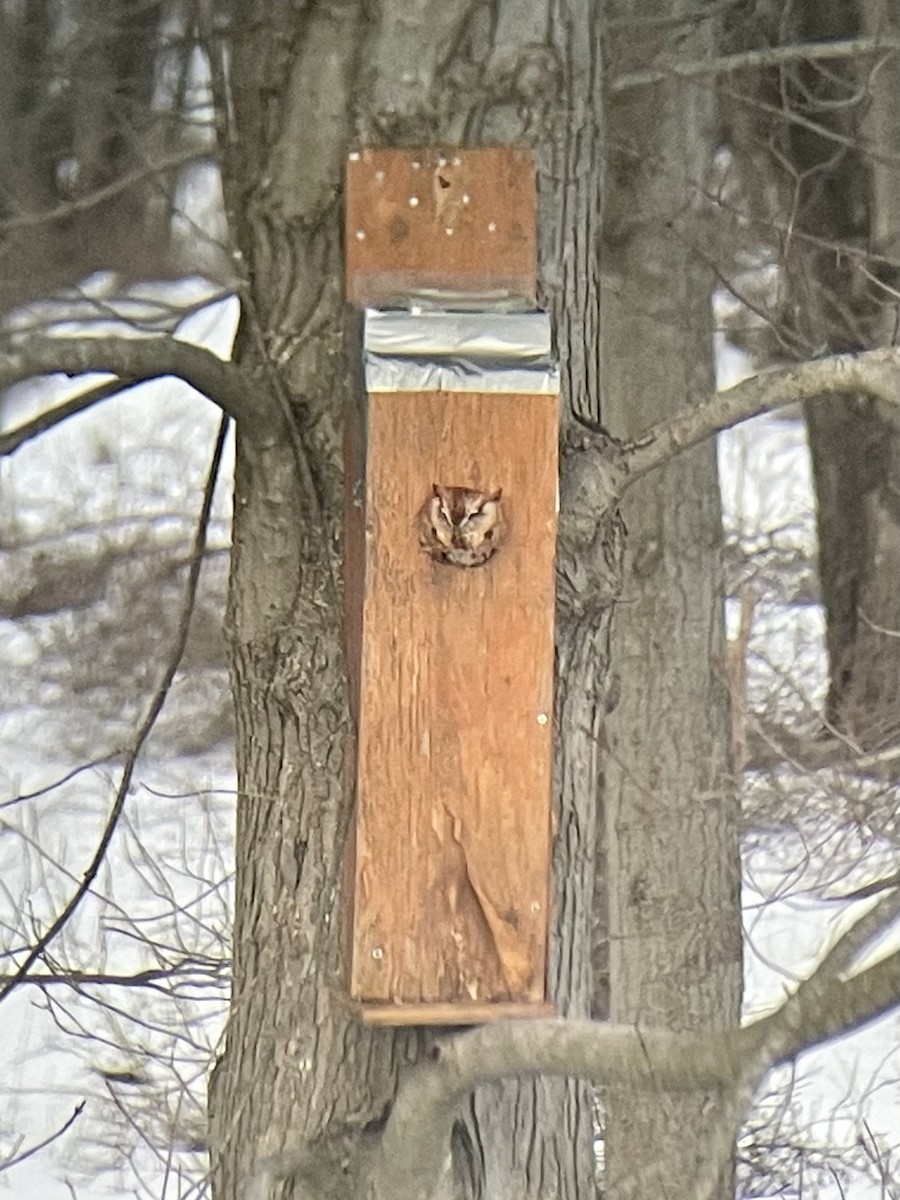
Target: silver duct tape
{"x":417,"y":300}
{"x":509,"y":337}
{"x":447,"y":374}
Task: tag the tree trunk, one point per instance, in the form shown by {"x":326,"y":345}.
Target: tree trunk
{"x":536,"y":1137}
{"x":298,"y":1068}
{"x":849,"y":195}
{"x":671,"y":808}
{"x":81,"y":122}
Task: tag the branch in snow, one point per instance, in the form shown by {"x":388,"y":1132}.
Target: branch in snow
{"x":414,"y":1154}
{"x":874,"y":373}
{"x":136,"y":360}
{"x":42,"y":1145}
{"x":10,"y":442}
{"x":771,"y":56}
{"x":37,"y":950}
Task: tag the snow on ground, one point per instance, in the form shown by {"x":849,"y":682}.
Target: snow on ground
{"x":126,"y":476}
{"x":848,"y":1092}
{"x":133,"y":469}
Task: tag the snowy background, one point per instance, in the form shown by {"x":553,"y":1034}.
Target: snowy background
{"x":103,"y":509}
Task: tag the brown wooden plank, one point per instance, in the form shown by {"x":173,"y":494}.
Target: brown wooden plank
{"x":455,"y":735}
{"x":353,"y":581}
{"x":451,"y":1014}
{"x":463,"y":220}
{"x":354,"y":560}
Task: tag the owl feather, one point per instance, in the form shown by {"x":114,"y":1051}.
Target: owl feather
{"x":461,"y":526}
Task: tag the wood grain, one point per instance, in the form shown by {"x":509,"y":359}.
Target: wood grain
{"x":451,"y":1014}
{"x":451,"y":877}
{"x":463,"y":220}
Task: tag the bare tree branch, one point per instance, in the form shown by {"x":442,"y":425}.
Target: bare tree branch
{"x":32,"y":1150}
{"x":10,"y":442}
{"x":824,"y":1006}
{"x":87,"y":766}
{"x":415,"y":1147}
{"x":770,"y":746}
{"x":750,"y":60}
{"x":869,"y":889}
{"x":874,"y":373}
{"x":156,"y":705}
{"x":174,"y":162}
{"x":193,"y":971}
{"x":137,"y":360}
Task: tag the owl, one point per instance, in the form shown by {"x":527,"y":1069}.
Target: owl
{"x":461,"y":526}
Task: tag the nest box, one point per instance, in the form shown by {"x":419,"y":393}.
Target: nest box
{"x":451,"y":514}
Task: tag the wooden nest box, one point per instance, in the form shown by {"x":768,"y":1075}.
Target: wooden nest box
{"x":449,"y":576}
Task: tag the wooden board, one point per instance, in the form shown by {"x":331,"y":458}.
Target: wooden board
{"x":458,"y":220}
{"x":354,"y":560}
{"x":451,"y":1014}
{"x":451,"y":878}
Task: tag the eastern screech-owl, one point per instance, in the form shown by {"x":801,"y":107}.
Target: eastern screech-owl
{"x":461,"y":525}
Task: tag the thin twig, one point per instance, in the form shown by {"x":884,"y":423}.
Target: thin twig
{"x":16,"y":438}
{"x":32,"y":1150}
{"x":50,"y":787}
{"x":751,"y":60}
{"x":23,"y":356}
{"x":143,"y":732}
{"x":61,"y":211}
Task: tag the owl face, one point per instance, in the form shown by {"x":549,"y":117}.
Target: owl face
{"x":461,"y":525}
{"x":466,"y":516}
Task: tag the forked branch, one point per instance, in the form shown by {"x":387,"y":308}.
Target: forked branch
{"x":134,"y":360}
{"x":12,"y":440}
{"x":415,"y":1149}
{"x":755,"y":60}
{"x":875,"y":373}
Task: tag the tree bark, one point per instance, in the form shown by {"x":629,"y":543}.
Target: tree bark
{"x":89,"y":156}
{"x":848,"y":194}
{"x":671,"y":808}
{"x":535,"y":1137}
{"x":298,"y":1068}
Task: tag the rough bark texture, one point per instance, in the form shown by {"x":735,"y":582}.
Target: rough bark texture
{"x":94,"y":134}
{"x":670,"y":798}
{"x":848,"y":194}
{"x":534,"y":1137}
{"x":298,"y":1069}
